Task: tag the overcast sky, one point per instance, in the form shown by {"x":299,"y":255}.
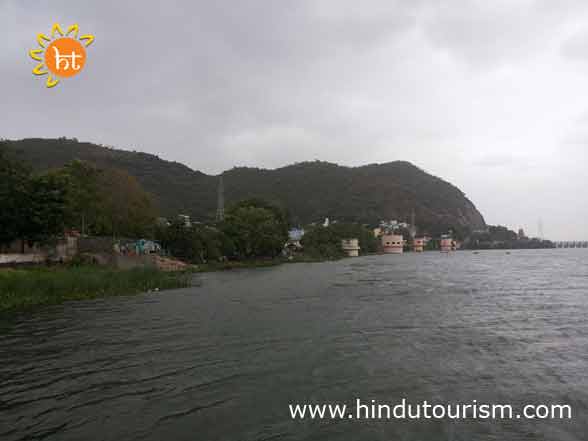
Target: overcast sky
{"x":489,"y":95}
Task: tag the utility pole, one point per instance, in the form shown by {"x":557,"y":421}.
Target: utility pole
{"x":220,"y":204}
{"x":413,"y":230}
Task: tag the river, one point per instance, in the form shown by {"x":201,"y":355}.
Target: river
{"x":223,"y":361}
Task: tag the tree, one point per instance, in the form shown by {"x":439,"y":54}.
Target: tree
{"x":180,"y":241}
{"x":322,"y":242}
{"x":197,"y":244}
{"x":257,"y":228}
{"x":127,"y":209}
{"x":84,"y":199}
{"x":500,"y":237}
{"x":106,"y":201}
{"x":44,"y":209}
{"x":33,"y":207}
{"x":367,"y":241}
{"x":325,"y":242}
{"x":13,"y":190}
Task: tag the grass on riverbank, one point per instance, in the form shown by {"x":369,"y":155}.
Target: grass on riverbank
{"x":24,"y":288}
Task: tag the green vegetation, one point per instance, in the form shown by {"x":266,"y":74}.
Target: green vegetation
{"x":37,"y":207}
{"x":252,"y":229}
{"x":33,"y":206}
{"x":501,"y":238}
{"x":257,"y":228}
{"x":325,"y":242}
{"x":104,"y":192}
{"x":253,"y":234}
{"x":310,"y":190}
{"x":23,"y":288}
{"x":105,"y":202}
{"x":195,"y":244}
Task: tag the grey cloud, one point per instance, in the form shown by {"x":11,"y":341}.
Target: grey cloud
{"x":495,"y":161}
{"x":495,"y":33}
{"x":576,"y":47}
{"x":456,"y":87}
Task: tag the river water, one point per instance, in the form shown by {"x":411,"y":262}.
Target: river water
{"x":222,"y":361}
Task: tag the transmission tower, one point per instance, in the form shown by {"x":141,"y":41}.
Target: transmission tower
{"x":220,"y":204}
{"x":540,"y":229}
{"x":413,"y":230}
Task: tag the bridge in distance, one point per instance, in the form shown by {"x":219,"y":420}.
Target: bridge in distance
{"x":572,"y":244}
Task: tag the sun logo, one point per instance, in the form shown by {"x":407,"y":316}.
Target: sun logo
{"x":60,"y":57}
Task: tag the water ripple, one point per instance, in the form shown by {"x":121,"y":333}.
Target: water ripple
{"x":224,"y":360}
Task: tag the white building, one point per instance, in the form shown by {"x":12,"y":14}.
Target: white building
{"x":393,"y":243}
{"x":351,"y":247}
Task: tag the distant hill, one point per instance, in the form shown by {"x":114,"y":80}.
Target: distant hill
{"x":310,"y":191}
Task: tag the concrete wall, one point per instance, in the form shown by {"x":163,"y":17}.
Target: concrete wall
{"x":61,"y":251}
{"x":20,"y":259}
{"x":96,"y":245}
{"x":130,"y":262}
{"x":18,"y":247}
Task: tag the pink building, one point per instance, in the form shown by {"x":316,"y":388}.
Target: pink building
{"x":419,"y":244}
{"x":447,"y":245}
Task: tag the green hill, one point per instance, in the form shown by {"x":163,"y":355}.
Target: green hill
{"x":310,"y":191}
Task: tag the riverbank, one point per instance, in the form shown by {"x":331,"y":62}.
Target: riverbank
{"x":24,"y":288}
{"x":29,"y":287}
{"x":257,"y":263}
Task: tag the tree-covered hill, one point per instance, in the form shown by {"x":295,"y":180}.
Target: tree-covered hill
{"x":309,"y":191}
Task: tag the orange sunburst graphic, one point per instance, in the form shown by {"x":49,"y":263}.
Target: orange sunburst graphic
{"x":61,"y":57}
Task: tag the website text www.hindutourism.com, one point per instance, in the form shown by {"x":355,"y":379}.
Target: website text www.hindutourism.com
{"x":373,"y":410}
